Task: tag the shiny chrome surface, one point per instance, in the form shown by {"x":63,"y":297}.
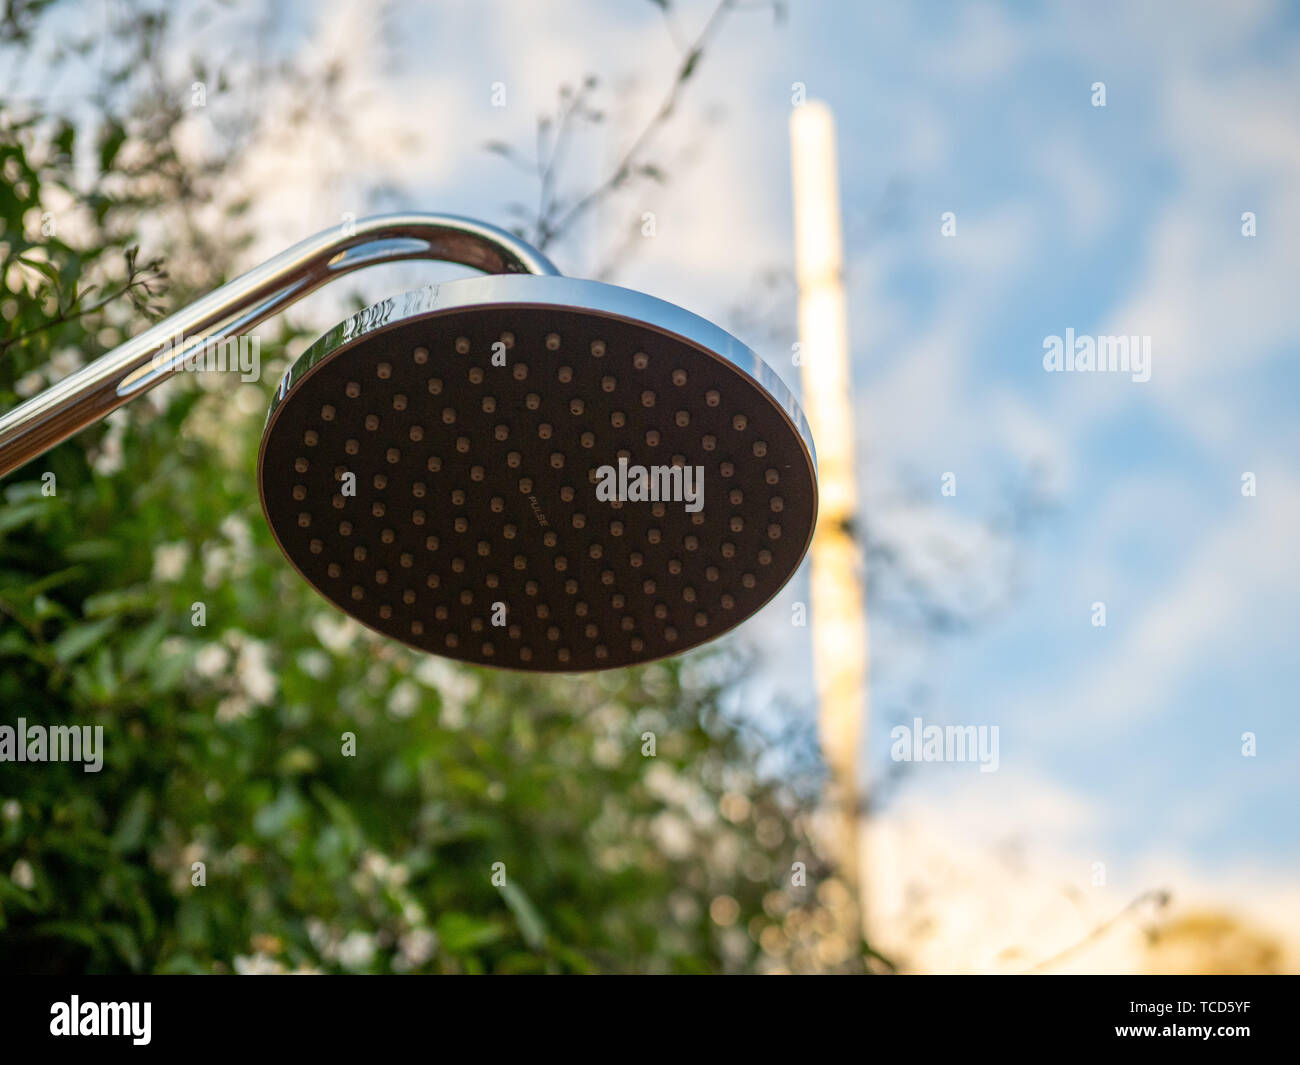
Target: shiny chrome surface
{"x":558,"y":293}
{"x":429,"y":467}
{"x":86,"y":396}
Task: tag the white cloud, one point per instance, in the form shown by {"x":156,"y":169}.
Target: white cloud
{"x":929,"y":404}
{"x":996,"y":874}
{"x":981,"y":42}
{"x":1240,"y":576}
{"x":1085,"y":190}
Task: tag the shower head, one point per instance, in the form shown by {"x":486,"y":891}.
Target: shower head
{"x":538,"y":473}
{"x":521,"y":470}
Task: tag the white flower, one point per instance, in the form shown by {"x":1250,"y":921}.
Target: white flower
{"x":169,"y":560}
{"x":316,"y":664}
{"x":109,"y":459}
{"x":403,"y":700}
{"x":317,"y":931}
{"x":606,"y":753}
{"x":417,"y":946}
{"x":23,"y":874}
{"x":257,"y":965}
{"x":216,"y":563}
{"x":356,"y":950}
{"x":64,"y":362}
{"x":374,"y":864}
{"x":255,"y":676}
{"x":12,"y":810}
{"x":336,"y":633}
{"x":673,"y":833}
{"x":236,"y":530}
{"x":232,"y":708}
{"x":211,"y":660}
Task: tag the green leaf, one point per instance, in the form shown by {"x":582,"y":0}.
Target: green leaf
{"x":78,"y":639}
{"x":141,"y":647}
{"x":71,"y":931}
{"x":92,"y":550}
{"x":531,"y":925}
{"x":124,"y":941}
{"x":12,"y":517}
{"x":53,"y":580}
{"x":49,"y":270}
{"x":688,"y":68}
{"x":14,"y":642}
{"x":460,"y":933}
{"x":129,"y":834}
{"x":66,"y":137}
{"x":110,"y":143}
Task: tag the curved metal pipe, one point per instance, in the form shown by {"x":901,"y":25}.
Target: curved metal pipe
{"x":97,"y":389}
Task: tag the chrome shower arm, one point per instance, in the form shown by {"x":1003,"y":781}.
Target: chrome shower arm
{"x":94,"y":391}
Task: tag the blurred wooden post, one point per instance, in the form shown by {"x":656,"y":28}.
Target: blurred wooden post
{"x":839,"y":625}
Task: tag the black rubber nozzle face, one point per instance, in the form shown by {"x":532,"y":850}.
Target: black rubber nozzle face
{"x":537,"y":488}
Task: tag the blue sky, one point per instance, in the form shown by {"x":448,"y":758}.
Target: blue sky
{"x":1122,"y":219}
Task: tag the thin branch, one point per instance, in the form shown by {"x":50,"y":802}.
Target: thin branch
{"x":139,"y":279}
{"x":1159,"y":897}
{"x":547,"y":172}
{"x":550,"y":229}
